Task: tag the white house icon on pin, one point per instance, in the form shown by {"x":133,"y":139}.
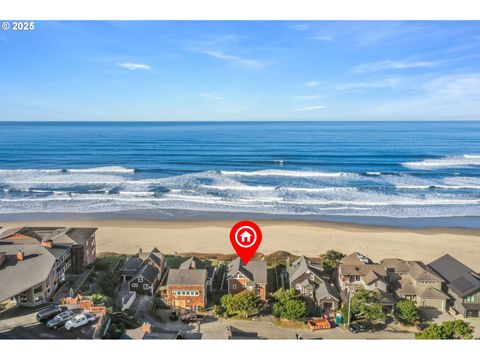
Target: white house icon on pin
{"x":245,"y":236}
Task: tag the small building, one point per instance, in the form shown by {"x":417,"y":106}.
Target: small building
{"x":461,"y":283}
{"x":130,"y":267}
{"x":309,"y":281}
{"x":250,"y":277}
{"x":187,"y":288}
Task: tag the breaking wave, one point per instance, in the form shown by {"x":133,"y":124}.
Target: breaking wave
{"x":463,"y":161}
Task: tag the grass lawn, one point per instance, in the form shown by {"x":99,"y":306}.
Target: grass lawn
{"x":107,"y":263}
{"x":174,"y":262}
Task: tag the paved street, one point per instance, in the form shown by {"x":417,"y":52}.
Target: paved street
{"x":264,"y":328}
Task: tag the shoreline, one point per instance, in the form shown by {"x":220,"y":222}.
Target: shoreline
{"x":451,"y":222}
{"x":298,"y":237}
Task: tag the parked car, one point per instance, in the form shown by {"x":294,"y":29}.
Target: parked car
{"x":60,"y":319}
{"x":79,"y":320}
{"x":192,"y":317}
{"x":173,"y":316}
{"x":49,"y":312}
{"x":361,"y":327}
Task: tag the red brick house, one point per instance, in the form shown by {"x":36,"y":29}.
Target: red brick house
{"x":250,"y":277}
{"x":186,"y":288}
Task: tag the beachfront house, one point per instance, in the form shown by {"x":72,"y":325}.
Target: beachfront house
{"x":358,"y":271}
{"x":312,"y":284}
{"x":187,"y":288}
{"x":150,"y":270}
{"x":195,"y":263}
{"x":36,"y":261}
{"x":250,"y":277}
{"x":413,"y":280}
{"x":461,"y":283}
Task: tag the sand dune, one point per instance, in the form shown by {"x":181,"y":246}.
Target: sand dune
{"x":125,"y":236}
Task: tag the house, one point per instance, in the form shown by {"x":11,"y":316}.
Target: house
{"x":150,"y":269}
{"x":250,"y":277}
{"x":186,"y":288}
{"x":145,"y":281}
{"x":308,"y":279}
{"x":195,"y":263}
{"x":413,"y":280}
{"x":356,"y":271}
{"x":461,"y":283}
{"x":130,"y":267}
{"x":35,"y":261}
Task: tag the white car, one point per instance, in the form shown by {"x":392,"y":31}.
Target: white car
{"x":79,"y":320}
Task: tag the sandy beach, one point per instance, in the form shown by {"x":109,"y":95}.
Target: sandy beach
{"x":126,"y":236}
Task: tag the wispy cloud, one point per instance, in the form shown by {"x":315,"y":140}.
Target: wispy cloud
{"x":311,"y":84}
{"x":310,"y":108}
{"x":211,"y":96}
{"x":323,"y":38}
{"x":307,"y":97}
{"x":394,"y":65}
{"x":134,"y":66}
{"x":301,"y":27}
{"x":392,"y":82}
{"x":237,"y":60}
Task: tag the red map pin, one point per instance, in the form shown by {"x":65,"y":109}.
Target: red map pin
{"x":245,"y":237}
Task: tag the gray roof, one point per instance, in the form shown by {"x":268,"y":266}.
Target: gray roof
{"x":193,"y":263}
{"x":420,"y":272}
{"x":301,"y":266}
{"x":155,"y":255}
{"x":326,"y":289}
{"x":18,"y":276}
{"x":187,"y":277}
{"x":396,"y":265}
{"x":148,"y":272}
{"x":254,"y":270}
{"x":132,"y":263}
{"x":461,"y":279}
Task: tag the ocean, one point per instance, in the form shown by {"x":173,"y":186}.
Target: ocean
{"x":364,"y":170}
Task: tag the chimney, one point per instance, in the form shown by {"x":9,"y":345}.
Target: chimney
{"x":20,"y":255}
{"x":47,"y":243}
{"x":146,"y":328}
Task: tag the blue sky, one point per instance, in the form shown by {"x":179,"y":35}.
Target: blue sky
{"x":281,"y":70}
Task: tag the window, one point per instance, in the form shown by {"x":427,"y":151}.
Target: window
{"x":234,"y":286}
{"x":357,"y":278}
{"x":146,"y":286}
{"x":312,"y":277}
{"x":140,"y":279}
{"x":298,"y":286}
{"x":38,"y":289}
{"x":469,"y":299}
{"x":196,"y":293}
{"x":134,"y":285}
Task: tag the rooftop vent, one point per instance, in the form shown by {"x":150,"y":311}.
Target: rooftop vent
{"x":20,"y":255}
{"x":48,"y":244}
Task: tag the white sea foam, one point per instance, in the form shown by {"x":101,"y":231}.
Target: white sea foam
{"x":104,"y":169}
{"x":463,"y":161}
{"x":285,"y":173}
